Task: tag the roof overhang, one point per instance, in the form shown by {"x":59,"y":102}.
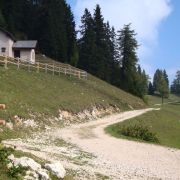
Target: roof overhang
{"x":7,"y":33}
{"x":27,"y":44}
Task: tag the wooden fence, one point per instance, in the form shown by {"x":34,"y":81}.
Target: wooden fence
{"x":44,"y":67}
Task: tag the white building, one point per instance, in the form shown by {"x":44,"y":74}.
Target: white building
{"x":24,"y":50}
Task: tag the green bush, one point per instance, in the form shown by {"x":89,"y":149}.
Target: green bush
{"x":4,"y":153}
{"x":139,"y":132}
{"x":16,"y":172}
{"x":13,"y":172}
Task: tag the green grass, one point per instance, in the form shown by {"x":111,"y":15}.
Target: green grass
{"x":164,"y":123}
{"x":29,"y":92}
{"x":154,"y":100}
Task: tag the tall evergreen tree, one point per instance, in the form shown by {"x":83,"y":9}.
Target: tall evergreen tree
{"x":175,"y":87}
{"x":150,"y":89}
{"x":157,"y":76}
{"x":70,"y":33}
{"x":95,"y":45}
{"x":128,"y":46}
{"x":162,"y":88}
{"x":160,"y":83}
{"x":101,"y":51}
{"x":166,"y":77}
{"x":115,"y":78}
{"x":2,"y":20}
{"x":87,"y":43}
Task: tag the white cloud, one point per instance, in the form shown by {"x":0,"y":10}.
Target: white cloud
{"x":145,"y":16}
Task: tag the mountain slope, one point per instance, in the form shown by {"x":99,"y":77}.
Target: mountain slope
{"x":29,"y":92}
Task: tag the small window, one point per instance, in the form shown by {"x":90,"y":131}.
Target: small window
{"x":3,"y":50}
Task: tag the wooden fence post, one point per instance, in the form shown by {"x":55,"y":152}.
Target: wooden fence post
{"x":53,"y":69}
{"x":66,"y":69}
{"x":70,"y":71}
{"x":45,"y":68}
{"x":18,"y":64}
{"x":5,"y":62}
{"x":59,"y":71}
{"x":37,"y":67}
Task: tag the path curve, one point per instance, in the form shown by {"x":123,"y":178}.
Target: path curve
{"x":125,"y":159}
{"x":116,"y":158}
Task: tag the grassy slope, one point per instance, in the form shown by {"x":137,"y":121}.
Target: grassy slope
{"x":24,"y":92}
{"x":165,"y":123}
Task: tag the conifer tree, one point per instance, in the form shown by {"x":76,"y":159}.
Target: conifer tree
{"x":175,"y":87}
{"x":128,"y":46}
{"x":166,"y":77}
{"x":70,"y":33}
{"x":2,"y":20}
{"x":160,"y":84}
{"x":87,"y":44}
{"x":162,"y":88}
{"x":101,"y":45}
{"x":156,"y":79}
{"x":150,"y":89}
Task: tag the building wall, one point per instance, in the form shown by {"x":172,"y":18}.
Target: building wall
{"x":33,"y":58}
{"x":6,"y":42}
{"x":27,"y":55}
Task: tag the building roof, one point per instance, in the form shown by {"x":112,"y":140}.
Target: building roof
{"x":25,"y":44}
{"x":7,"y":33}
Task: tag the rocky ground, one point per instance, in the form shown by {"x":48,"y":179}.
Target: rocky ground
{"x":92,"y":154}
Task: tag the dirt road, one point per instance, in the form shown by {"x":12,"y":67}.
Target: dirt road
{"x":102,"y":154}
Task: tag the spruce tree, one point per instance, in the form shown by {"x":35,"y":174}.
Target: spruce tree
{"x":166,"y":77}
{"x":162,"y":88}
{"x":175,"y":87}
{"x":70,"y":33}
{"x":87,"y":43}
{"x":156,"y":79}
{"x":2,"y":20}
{"x":150,"y":89}
{"x":101,"y":45}
{"x":160,"y":84}
{"x":128,"y":46}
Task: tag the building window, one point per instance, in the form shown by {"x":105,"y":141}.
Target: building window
{"x":3,"y":49}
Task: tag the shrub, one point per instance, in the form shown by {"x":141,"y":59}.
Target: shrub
{"x":139,"y":132}
{"x":13,"y":172}
{"x":4,"y":153}
{"x":16,"y":171}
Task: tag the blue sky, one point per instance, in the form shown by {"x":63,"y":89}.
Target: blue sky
{"x":155,"y":21}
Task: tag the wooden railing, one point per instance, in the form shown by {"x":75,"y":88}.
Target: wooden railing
{"x":44,"y":67}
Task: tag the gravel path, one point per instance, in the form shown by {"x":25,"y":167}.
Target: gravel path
{"x":115,"y":158}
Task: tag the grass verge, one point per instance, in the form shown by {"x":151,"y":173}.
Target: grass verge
{"x":165,"y":123}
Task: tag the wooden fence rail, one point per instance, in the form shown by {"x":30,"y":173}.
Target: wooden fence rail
{"x":44,"y":67}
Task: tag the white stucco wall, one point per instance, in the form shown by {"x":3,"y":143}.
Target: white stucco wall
{"x":6,"y":42}
{"x":27,"y":55}
{"x":33,"y":58}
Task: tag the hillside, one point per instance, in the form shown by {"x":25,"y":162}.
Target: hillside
{"x":27,"y":93}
